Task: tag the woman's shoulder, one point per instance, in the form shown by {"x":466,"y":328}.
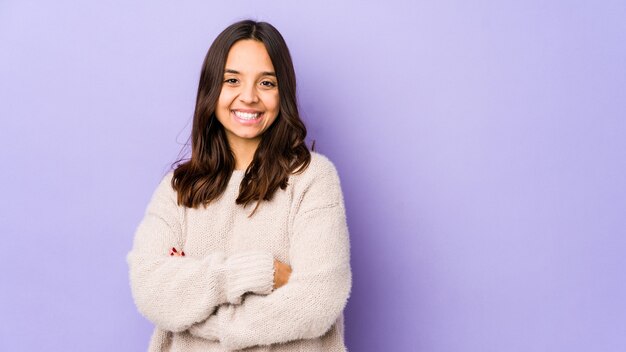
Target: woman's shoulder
{"x":320,"y":166}
{"x":164,"y":190}
{"x":321,"y":171}
{"x":319,"y":185}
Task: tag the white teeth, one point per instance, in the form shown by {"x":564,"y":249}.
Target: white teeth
{"x":246,"y":115}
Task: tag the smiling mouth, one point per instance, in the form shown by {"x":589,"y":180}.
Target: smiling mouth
{"x":247,"y":116}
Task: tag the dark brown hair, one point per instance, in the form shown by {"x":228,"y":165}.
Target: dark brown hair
{"x":282,"y":150}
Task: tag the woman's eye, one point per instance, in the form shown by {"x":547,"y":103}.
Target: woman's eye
{"x":230,"y":80}
{"x":268,"y":84}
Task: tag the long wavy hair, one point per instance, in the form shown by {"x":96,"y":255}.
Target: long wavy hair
{"x":282,"y":150}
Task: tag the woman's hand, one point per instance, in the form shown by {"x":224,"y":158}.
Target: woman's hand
{"x":175,"y":253}
{"x":282,"y":272}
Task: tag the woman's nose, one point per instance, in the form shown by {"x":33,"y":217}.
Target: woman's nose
{"x":248,"y":94}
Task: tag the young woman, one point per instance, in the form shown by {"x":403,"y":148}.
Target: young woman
{"x":245,"y":245}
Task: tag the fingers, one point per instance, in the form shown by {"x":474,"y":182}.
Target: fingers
{"x":175,"y":253}
{"x":282,"y":273}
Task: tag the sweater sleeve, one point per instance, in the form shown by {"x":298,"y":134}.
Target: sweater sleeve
{"x":317,"y":290}
{"x":176,"y":292}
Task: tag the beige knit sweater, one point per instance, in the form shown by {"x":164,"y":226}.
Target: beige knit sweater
{"x":220,"y":296}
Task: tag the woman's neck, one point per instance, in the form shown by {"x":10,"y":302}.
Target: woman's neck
{"x":244,"y":150}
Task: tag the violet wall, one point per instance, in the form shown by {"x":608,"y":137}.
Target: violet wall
{"x":481,"y":146}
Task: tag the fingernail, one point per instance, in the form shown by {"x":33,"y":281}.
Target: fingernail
{"x":174,"y":249}
{"x":182,"y":253}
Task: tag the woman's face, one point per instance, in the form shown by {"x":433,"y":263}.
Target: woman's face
{"x":248,"y":103}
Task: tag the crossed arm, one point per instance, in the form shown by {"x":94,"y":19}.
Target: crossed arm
{"x":204,"y":295}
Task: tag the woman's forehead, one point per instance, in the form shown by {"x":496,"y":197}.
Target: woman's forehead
{"x":249,"y":57}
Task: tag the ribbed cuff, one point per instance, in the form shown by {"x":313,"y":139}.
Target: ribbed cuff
{"x":248,"y":272}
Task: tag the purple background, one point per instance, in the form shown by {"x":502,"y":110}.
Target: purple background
{"x":481,"y":146}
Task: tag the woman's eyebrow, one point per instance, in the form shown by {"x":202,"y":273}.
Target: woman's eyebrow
{"x":264,"y":73}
